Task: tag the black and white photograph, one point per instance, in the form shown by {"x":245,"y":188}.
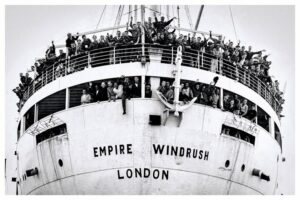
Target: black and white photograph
{"x":139,"y":99}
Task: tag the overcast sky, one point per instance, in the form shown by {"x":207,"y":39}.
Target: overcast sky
{"x":30,"y":29}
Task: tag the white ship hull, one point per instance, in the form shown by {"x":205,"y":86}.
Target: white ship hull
{"x":142,"y":168}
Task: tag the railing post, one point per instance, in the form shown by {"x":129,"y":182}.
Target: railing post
{"x":36,"y":112}
{"x":275,"y":104}
{"x":33,"y":86}
{"x":53,"y":73}
{"x":221,"y":99}
{"x":256,"y":114}
{"x":257,"y":85}
{"x":172,"y":56}
{"x":28,"y":89}
{"x":67,"y":98}
{"x":218,"y":65}
{"x":89,"y":60}
{"x":114,"y":56}
{"x":266,"y":92}
{"x":198,"y":60}
{"x":68,"y":66}
{"x":143,"y":86}
{"x":202,"y":59}
{"x":221,"y":65}
{"x":42,"y":79}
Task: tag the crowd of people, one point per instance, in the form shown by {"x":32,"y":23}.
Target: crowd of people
{"x":126,"y":88}
{"x":209,"y":95}
{"x":123,"y":88}
{"x":218,"y":54}
{"x":206,"y":94}
{"x":239,"y":106}
{"x":25,"y":81}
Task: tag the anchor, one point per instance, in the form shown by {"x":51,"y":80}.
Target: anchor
{"x":177,"y":106}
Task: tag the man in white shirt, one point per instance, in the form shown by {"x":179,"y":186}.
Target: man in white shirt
{"x":32,"y":72}
{"x":85,"y":98}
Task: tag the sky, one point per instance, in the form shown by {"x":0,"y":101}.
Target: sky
{"x":29,"y":30}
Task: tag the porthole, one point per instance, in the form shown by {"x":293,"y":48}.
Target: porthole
{"x":60,"y":162}
{"x":227,"y":163}
{"x":243,"y":168}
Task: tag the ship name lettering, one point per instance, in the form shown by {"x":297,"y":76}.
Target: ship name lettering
{"x":180,"y":151}
{"x":109,"y":150}
{"x":143,"y":173}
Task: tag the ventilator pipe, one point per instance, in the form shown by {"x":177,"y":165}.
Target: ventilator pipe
{"x":264,"y":177}
{"x":261,"y":175}
{"x":32,"y":172}
{"x":256,"y":172}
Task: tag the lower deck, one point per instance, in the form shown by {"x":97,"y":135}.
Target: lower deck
{"x":101,"y":151}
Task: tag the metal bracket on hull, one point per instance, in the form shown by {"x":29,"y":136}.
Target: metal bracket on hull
{"x":167,"y":114}
{"x":260,"y":174}
{"x":170,"y":108}
{"x":44,"y":124}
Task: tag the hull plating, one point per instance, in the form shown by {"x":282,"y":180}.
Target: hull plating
{"x":105,"y":152}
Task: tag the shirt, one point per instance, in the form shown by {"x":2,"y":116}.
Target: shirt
{"x":244,"y":109}
{"x":118,"y":91}
{"x":85,"y":98}
{"x":215,"y":99}
{"x":110,"y":92}
{"x":71,"y":41}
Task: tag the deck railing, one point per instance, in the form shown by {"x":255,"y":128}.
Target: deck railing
{"x":153,"y":53}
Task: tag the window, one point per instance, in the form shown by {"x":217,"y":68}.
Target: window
{"x":263,"y":118}
{"x":278,"y":135}
{"x":29,"y":117}
{"x":242,"y":135}
{"x":52,"y":132}
{"x":90,"y":88}
{"x":238,"y":105}
{"x":19,"y":130}
{"x":51,"y":104}
{"x":206,"y":94}
{"x":75,"y":94}
{"x":148,"y":87}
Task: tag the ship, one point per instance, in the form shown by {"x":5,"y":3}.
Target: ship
{"x":157,"y":147}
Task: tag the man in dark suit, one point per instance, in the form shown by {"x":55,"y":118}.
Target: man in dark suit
{"x":161,"y":25}
{"x":136,"y":88}
{"x":101,"y":93}
{"x":91,"y":90}
{"x":97,"y":94}
{"x":71,"y":43}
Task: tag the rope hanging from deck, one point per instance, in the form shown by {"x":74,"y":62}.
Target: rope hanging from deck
{"x":187,"y":10}
{"x":101,"y":17}
{"x":236,"y":37}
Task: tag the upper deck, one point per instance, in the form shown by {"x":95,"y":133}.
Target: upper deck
{"x":158,"y":54}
